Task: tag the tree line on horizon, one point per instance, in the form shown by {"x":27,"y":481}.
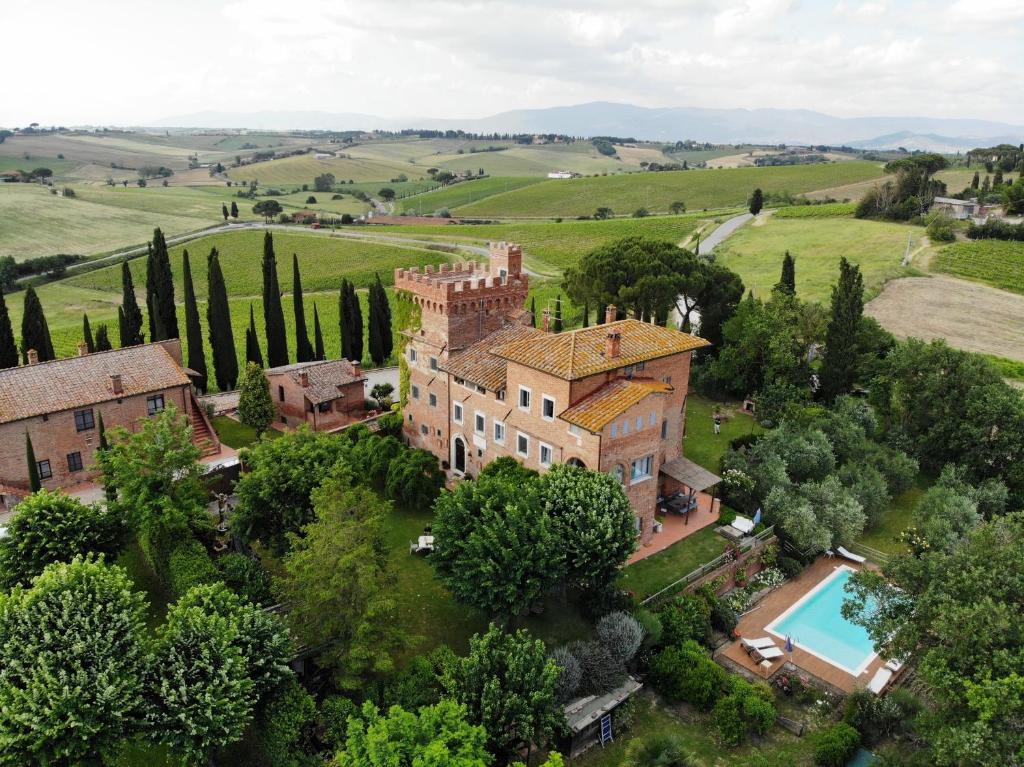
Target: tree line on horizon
{"x":161,"y":320}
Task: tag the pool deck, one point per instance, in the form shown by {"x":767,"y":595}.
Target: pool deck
{"x":752,"y":626}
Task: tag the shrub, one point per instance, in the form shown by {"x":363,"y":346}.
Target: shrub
{"x":746,"y":708}
{"x":390,"y":425}
{"x":790,"y":567}
{"x":189,"y":565}
{"x":332,"y":720}
{"x":622,"y":634}
{"x":879,"y":717}
{"x":246,"y":577}
{"x":600,"y":670}
{"x":285,"y":727}
{"x":416,"y":685}
{"x":686,"y":672}
{"x":604,"y":600}
{"x":834,"y":746}
{"x":570,"y":674}
{"x":687,"y":617}
{"x":652,"y":627}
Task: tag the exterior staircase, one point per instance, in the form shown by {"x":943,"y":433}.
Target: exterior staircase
{"x":203,"y":435}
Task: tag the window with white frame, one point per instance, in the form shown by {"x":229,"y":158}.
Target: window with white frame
{"x":640,"y":469}
{"x":412,"y":354}
{"x":415,"y":391}
{"x":457,"y":412}
{"x":524,"y":398}
{"x":522,"y":444}
{"x":479,"y":423}
{"x":500,"y":395}
{"x":432,"y":399}
{"x":546,"y":454}
{"x":547,"y":407}
{"x":499,"y":432}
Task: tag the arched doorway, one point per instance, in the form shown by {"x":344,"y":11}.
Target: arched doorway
{"x":574,"y":461}
{"x":459,"y":455}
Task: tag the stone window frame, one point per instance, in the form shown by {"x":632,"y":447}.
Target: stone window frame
{"x":647,"y":465}
{"x":529,"y":398}
{"x":458,"y":412}
{"x":542,"y":447}
{"x":499,"y":426}
{"x":479,"y":423}
{"x":544,"y":400}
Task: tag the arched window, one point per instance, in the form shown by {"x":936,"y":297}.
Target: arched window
{"x":574,"y":461}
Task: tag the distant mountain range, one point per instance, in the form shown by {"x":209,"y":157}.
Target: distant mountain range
{"x":727,"y":126}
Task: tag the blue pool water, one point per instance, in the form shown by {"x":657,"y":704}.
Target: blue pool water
{"x":817,"y":625}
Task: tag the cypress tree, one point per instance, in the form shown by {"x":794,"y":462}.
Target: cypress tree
{"x":193,"y":330}
{"x":975,"y":180}
{"x":303,"y":350}
{"x":163,"y":289}
{"x":557,"y":325}
{"x":756,"y":201}
{"x":218,"y":319}
{"x":355,"y":315}
{"x":35,"y":334}
{"x":318,"y":337}
{"x":380,"y":323}
{"x":8,"y":348}
{"x":343,"y":321}
{"x":33,"y":468}
{"x":234,"y":209}
{"x":224,"y":211}
{"x":129,"y":316}
{"x":787,"y":280}
{"x":839,"y":366}
{"x":533,"y":311}
{"x":103,"y":338}
{"x":252,"y":342}
{"x":388,"y":336}
{"x":586,"y":314}
{"x":986,"y":185}
{"x":90,"y":345}
{"x":273,"y":315}
{"x":103,"y":445}
{"x":155,"y":330}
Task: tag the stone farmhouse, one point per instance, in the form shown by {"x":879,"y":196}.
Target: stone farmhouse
{"x":485,"y":383}
{"x":59,"y":403}
{"x":326,"y":395}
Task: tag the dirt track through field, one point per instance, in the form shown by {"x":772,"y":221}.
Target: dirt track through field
{"x":969,"y":316}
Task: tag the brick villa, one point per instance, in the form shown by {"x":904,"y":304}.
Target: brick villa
{"x":326,"y":394}
{"x":58,"y":404}
{"x":484,"y":383}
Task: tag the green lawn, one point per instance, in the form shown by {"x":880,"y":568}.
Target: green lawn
{"x":236,"y":434}
{"x":884,"y":535}
{"x":463,"y":193}
{"x":302,"y":169}
{"x":656,"y":191}
{"x":998,"y":263}
{"x":648,"y":576}
{"x":755,"y":252}
{"x":701,"y":444}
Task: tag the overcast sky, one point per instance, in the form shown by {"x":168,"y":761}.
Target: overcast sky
{"x":132,"y":61}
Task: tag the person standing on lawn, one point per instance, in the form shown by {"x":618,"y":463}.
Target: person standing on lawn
{"x":718,"y":423}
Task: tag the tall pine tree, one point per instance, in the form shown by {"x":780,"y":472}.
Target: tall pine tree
{"x":234,"y":209}
{"x":273,"y":314}
{"x":8,"y":347}
{"x":218,"y":319}
{"x":193,"y":329}
{"x":103,"y":338}
{"x":162,"y":286}
{"x":354,"y":312}
{"x":303,"y":350}
{"x":35,"y":333}
{"x":787,"y":280}
{"x":90,"y":344}
{"x":839,"y":366}
{"x":252,"y":341}
{"x":343,"y":324}
{"x":33,"y":468}
{"x":155,"y":330}
{"x":318,"y":337}
{"x":129,"y":316}
{"x":381,"y":341}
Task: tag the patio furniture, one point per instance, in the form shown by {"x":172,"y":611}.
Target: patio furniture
{"x":762,"y":654}
{"x":757,"y":644}
{"x":743,"y":524}
{"x":850,"y":555}
{"x":424,"y":543}
{"x":880,"y":680}
{"x":894,"y":665}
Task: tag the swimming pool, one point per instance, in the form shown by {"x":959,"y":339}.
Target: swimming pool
{"x":816,"y":624}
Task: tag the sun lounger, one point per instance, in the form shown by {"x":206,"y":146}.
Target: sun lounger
{"x":880,"y":680}
{"x":743,"y":524}
{"x":894,"y":665}
{"x":850,"y":555}
{"x":766,"y":653}
{"x":759,"y":643}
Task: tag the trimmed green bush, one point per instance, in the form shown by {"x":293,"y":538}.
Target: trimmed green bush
{"x":189,"y":565}
{"x":744,"y":710}
{"x":834,"y":747}
{"x":687,"y":617}
{"x":332,"y":720}
{"x":686,"y":673}
{"x":285,"y":729}
{"x":246,"y":577}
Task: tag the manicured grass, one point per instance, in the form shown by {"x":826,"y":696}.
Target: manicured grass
{"x":656,"y":191}
{"x":648,"y":576}
{"x":463,"y":193}
{"x":998,"y":263}
{"x":237,"y":435}
{"x":755,"y":252}
{"x":884,"y":536}
{"x":701,"y":444}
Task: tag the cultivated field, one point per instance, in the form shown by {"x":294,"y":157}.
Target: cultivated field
{"x":463,"y":193}
{"x":656,"y":191}
{"x":816,"y":211}
{"x":302,"y":169}
{"x":995,"y":262}
{"x":969,"y":316}
{"x":755,"y":252}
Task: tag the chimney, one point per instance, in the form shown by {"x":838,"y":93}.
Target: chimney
{"x":303,"y":379}
{"x":33,"y":357}
{"x":612,"y":343}
{"x":610,"y":313}
{"x":115,"y":383}
{"x":546,"y":320}
{"x":82,"y":349}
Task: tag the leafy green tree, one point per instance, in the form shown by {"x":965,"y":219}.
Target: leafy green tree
{"x":507,"y":684}
{"x":787,"y":280}
{"x":756,"y":201}
{"x":677,"y":207}
{"x":35,"y":333}
{"x":414,"y":478}
{"x":267,"y":208}
{"x":381,"y":341}
{"x":339,"y":586}
{"x":820,"y":516}
{"x":52,"y":527}
{"x":303,"y":349}
{"x":90,"y":344}
{"x":387,"y":194}
{"x":73,"y":653}
{"x":273,"y":314}
{"x":281,"y":474}
{"x":603,"y":213}
{"x":8,"y":348}
{"x":218,"y":319}
{"x":593,"y":522}
{"x":129,"y":315}
{"x":253,"y":355}
{"x":193,"y":330}
{"x":163,"y":320}
{"x":318,"y":337}
{"x":839,"y":366}
{"x":496,"y":548}
{"x":382,"y":393}
{"x":34,"y":482}
{"x":156,"y":473}
{"x":717,"y":295}
{"x":103,"y":338}
{"x":200,"y":695}
{"x":255,"y":406}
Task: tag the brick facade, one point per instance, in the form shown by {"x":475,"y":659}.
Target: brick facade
{"x":326,"y":395}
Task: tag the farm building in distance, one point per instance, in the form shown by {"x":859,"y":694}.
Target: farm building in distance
{"x":326,"y":394}
{"x":954,"y":208}
{"x":562,"y":174}
{"x":485,"y":383}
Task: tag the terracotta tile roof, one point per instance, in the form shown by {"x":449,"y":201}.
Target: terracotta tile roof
{"x":476,"y":363}
{"x":50,"y":387}
{"x":596,"y":411}
{"x":581,"y":353}
{"x":324,"y":378}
